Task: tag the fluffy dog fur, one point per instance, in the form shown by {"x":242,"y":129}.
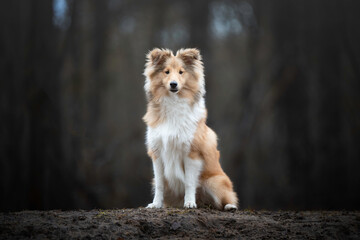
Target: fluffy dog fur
{"x":182,"y":147}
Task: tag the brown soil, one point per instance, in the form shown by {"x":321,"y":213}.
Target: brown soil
{"x":179,"y":223}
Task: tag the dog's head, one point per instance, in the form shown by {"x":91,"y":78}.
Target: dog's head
{"x":168,"y":74}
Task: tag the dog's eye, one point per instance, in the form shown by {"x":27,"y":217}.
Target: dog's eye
{"x":181,"y":72}
{"x":167,"y":71}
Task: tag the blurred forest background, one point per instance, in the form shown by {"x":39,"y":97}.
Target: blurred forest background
{"x":282,"y":81}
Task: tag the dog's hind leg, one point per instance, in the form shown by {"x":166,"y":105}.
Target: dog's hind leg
{"x":220,"y":190}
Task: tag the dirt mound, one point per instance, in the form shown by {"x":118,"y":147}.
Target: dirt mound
{"x":179,"y":223}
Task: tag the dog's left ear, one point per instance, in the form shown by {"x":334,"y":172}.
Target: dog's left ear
{"x":189,"y":55}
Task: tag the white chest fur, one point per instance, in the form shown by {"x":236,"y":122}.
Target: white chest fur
{"x":172,"y":138}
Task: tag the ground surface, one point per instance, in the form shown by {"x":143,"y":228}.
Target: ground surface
{"x":179,"y":223}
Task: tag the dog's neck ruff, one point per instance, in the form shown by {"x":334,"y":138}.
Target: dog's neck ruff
{"x":179,"y":123}
{"x":176,"y":110}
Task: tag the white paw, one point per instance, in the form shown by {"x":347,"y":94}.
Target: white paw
{"x":155,"y":205}
{"x":190,"y":205}
{"x":229,"y":207}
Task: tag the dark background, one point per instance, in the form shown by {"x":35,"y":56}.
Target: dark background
{"x":282,"y":81}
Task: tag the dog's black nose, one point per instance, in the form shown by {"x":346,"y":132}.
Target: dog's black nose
{"x":173,"y":84}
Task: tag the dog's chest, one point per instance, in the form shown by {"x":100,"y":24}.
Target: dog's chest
{"x":179,"y":125}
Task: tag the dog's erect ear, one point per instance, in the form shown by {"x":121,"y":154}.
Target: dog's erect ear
{"x":158,"y":56}
{"x":189,"y":55}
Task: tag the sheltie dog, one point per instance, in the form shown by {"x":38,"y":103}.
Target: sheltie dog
{"x":182,"y":147}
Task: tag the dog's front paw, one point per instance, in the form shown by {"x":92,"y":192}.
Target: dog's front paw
{"x":155,"y":205}
{"x":190,"y":205}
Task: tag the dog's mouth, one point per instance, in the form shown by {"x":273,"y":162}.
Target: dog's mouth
{"x":173,"y":90}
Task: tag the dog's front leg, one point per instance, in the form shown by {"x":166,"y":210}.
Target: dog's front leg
{"x":158,"y":184}
{"x":192,"y":172}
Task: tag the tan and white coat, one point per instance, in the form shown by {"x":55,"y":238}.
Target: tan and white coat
{"x":183,"y":148}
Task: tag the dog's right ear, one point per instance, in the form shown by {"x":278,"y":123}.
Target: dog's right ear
{"x":158,"y":56}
